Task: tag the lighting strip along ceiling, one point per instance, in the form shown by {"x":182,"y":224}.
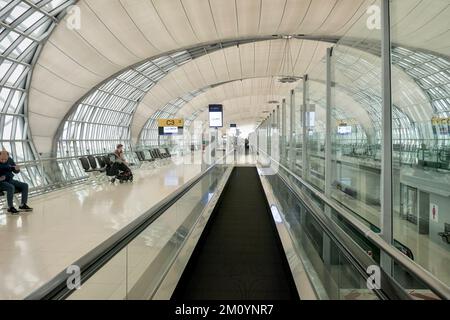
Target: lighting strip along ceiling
{"x":102,"y":118}
{"x":25,"y":26}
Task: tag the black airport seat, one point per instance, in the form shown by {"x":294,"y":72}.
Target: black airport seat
{"x":93,"y":163}
{"x":3,"y":193}
{"x":140,"y":156}
{"x":86,"y":164}
{"x":154,"y":154}
{"x":101,"y":162}
{"x":162,"y":155}
{"x":18,"y":190}
{"x":159,"y":154}
{"x":148,"y":156}
{"x":108,"y":159}
{"x":168,"y":152}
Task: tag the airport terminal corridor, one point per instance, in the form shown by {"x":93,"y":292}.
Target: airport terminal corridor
{"x":224,"y":150}
{"x":240,"y":257}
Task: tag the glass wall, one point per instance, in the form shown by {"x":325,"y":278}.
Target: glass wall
{"x":360,"y":169}
{"x":314,"y":113}
{"x":356,"y":101}
{"x":24,"y":26}
{"x":103,"y":118}
{"x":422,"y":158}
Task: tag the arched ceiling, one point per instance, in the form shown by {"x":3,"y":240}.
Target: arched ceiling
{"x":244,"y":110}
{"x":241,"y":98}
{"x":253,"y":60}
{"x":115,"y":34}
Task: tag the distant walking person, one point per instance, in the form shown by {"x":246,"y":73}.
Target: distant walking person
{"x":7,"y":183}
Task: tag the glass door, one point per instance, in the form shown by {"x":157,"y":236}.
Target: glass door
{"x":412,"y":205}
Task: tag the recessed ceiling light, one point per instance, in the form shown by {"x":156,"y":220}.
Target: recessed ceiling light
{"x":289,"y":79}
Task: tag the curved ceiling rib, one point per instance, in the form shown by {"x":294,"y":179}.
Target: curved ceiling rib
{"x":90,"y":124}
{"x":357,"y":70}
{"x":129,"y":87}
{"x":252,"y":60}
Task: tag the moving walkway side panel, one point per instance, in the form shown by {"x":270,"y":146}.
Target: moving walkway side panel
{"x":239,"y":255}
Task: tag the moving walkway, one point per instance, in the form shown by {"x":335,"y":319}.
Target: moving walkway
{"x":245,"y":234}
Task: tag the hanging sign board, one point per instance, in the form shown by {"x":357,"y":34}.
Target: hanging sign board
{"x":215,"y":116}
{"x":170,"y":127}
{"x":441,"y":126}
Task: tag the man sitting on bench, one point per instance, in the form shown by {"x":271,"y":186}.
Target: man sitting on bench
{"x":7,"y":170}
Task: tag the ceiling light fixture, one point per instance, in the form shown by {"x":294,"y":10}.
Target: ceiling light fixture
{"x":287,"y":64}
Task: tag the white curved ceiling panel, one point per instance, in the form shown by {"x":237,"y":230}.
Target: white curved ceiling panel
{"x":293,"y":15}
{"x":148,"y":21}
{"x":117,"y":21}
{"x":173,"y":15}
{"x":343,"y":14}
{"x":200,"y":18}
{"x":64,"y":46}
{"x":267,"y":64}
{"x":272,"y":15}
{"x":224,"y":15}
{"x":84,"y":73}
{"x":98,"y":33}
{"x":248,"y":14}
{"x":118,"y":33}
{"x":318,"y":13}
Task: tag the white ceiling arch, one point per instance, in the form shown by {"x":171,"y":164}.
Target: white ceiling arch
{"x":115,"y":34}
{"x":252,"y":60}
{"x":358,"y":79}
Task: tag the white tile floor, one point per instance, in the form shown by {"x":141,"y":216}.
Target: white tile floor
{"x":65,"y":225}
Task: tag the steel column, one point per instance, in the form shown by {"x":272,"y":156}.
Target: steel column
{"x":328,"y":116}
{"x":304,"y":112}
{"x":386,"y":114}
{"x":283,"y":131}
{"x":292,"y":140}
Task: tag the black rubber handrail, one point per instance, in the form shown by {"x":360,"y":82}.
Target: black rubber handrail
{"x":89,"y":264}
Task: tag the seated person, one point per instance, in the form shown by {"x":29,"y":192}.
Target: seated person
{"x":120,"y":158}
{"x":7,"y":170}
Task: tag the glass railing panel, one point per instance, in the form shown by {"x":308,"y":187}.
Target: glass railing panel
{"x":108,"y":283}
{"x":153,"y":251}
{"x":138,"y":269}
{"x":314,"y":242}
{"x":332,"y":275}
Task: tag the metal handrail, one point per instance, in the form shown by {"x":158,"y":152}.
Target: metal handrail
{"x":94,"y":260}
{"x":390,"y":289}
{"x":433,"y":283}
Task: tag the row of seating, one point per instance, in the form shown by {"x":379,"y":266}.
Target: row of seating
{"x":152,"y":155}
{"x":98,"y":164}
{"x":93,"y":164}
